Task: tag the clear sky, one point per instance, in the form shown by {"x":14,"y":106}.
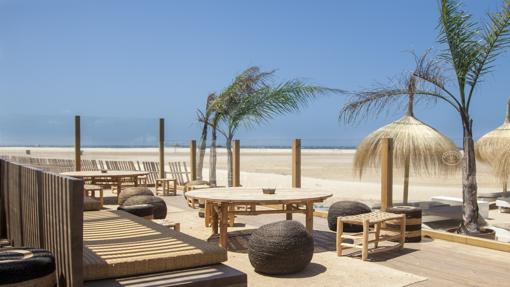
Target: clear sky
{"x":136,"y":61}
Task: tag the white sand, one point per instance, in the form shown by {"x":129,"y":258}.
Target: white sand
{"x":328,"y":169}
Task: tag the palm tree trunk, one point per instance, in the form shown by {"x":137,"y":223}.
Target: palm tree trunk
{"x":470,"y":216}
{"x":406,"y":180}
{"x":212,"y":158}
{"x":228,"y":145}
{"x":202,"y":146}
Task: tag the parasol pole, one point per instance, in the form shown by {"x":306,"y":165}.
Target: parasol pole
{"x":410,"y":113}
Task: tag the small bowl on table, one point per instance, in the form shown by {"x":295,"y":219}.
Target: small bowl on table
{"x":268,"y":190}
{"x":104,"y":171}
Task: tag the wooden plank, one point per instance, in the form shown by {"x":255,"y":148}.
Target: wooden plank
{"x":236,"y":160}
{"x":296,"y":163}
{"x":386,"y":173}
{"x":193,"y":159}
{"x":161,"y":148}
{"x":77,"y":143}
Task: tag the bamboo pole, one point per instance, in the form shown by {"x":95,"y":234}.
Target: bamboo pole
{"x":193,"y":159}
{"x":296,"y":163}
{"x":77,"y":143}
{"x":162,"y":148}
{"x":386,"y":173}
{"x":236,"y":181}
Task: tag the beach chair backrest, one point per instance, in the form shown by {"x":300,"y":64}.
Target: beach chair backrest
{"x":179,"y":172}
{"x":153,"y":169}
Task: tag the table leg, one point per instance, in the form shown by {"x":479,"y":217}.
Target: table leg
{"x":288,"y":216}
{"x":214,"y":218}
{"x":135,"y":180}
{"x":309,"y":216}
{"x":223,"y":225}
{"x":366,"y":230}
{"x":207,"y":215}
{"x":119,"y":184}
{"x":339,"y":233}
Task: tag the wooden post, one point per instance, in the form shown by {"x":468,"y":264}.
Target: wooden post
{"x":77,"y":143}
{"x":386,"y":173}
{"x":296,"y":163}
{"x":162,"y":148}
{"x":193,"y":159}
{"x":236,"y":181}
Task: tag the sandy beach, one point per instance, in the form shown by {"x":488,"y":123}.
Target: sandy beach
{"x":327,"y":169}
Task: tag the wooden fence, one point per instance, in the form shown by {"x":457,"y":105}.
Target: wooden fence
{"x":44,"y":210}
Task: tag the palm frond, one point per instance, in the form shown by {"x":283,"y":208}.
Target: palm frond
{"x":495,"y":38}
{"x":459,"y":33}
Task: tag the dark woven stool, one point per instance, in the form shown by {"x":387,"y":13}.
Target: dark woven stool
{"x":413,"y":221}
{"x":133,"y":191}
{"x":282,"y":247}
{"x":346,"y":208}
{"x":140,"y":210}
{"x":27,"y":267}
{"x":158,"y":204}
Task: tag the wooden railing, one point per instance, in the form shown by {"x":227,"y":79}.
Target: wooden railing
{"x":44,"y":210}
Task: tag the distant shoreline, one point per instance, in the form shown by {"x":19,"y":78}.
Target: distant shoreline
{"x":325,"y":147}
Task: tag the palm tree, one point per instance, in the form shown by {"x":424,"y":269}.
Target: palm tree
{"x":203,"y":117}
{"x":470,"y":52}
{"x":254,"y":98}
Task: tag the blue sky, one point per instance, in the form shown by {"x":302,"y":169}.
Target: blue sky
{"x":130,"y":62}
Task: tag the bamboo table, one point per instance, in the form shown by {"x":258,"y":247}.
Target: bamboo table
{"x":116,"y":176}
{"x":223,"y":202}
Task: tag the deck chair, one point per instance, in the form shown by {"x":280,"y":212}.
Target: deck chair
{"x":179,"y":171}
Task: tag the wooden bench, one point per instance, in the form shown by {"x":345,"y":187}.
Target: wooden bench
{"x":168,"y":223}
{"x":376,"y":219}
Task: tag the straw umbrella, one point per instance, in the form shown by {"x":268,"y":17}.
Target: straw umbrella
{"x":494,"y":149}
{"x":417,"y":147}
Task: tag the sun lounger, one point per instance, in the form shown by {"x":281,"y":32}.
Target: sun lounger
{"x":503,"y":203}
{"x":456,"y":201}
{"x":139,"y":247}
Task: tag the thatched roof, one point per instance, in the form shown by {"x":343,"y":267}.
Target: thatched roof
{"x":424,"y":146}
{"x":494,"y":148}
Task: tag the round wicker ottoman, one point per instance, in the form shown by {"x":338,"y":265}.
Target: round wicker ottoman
{"x":133,"y":191}
{"x":140,"y":210}
{"x":282,"y":247}
{"x":27,"y":267}
{"x":345,"y":208}
{"x":158,"y":204}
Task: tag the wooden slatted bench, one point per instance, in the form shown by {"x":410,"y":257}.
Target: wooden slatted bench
{"x":377,"y":219}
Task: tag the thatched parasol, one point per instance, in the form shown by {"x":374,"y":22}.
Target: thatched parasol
{"x":494,"y":149}
{"x":417,"y":146}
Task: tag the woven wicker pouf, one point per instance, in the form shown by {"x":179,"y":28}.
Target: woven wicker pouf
{"x":158,"y":204}
{"x":346,"y":208}
{"x":27,"y":267}
{"x":282,"y":247}
{"x":133,"y":191}
{"x":140,"y":210}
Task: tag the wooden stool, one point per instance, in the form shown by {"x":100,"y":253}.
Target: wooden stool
{"x":164,"y":185}
{"x":169,"y":224}
{"x":89,"y":190}
{"x":376,"y":219}
{"x":142,"y":180}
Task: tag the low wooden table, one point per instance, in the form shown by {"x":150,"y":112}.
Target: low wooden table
{"x":222,"y":202}
{"x":376,"y":219}
{"x":116,"y":176}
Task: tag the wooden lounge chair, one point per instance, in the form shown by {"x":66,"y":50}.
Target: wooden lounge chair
{"x":179,"y":171}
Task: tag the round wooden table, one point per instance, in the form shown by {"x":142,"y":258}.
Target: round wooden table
{"x":116,"y":176}
{"x":222,"y":202}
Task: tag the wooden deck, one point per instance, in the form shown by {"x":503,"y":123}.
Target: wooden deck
{"x":443,"y":263}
